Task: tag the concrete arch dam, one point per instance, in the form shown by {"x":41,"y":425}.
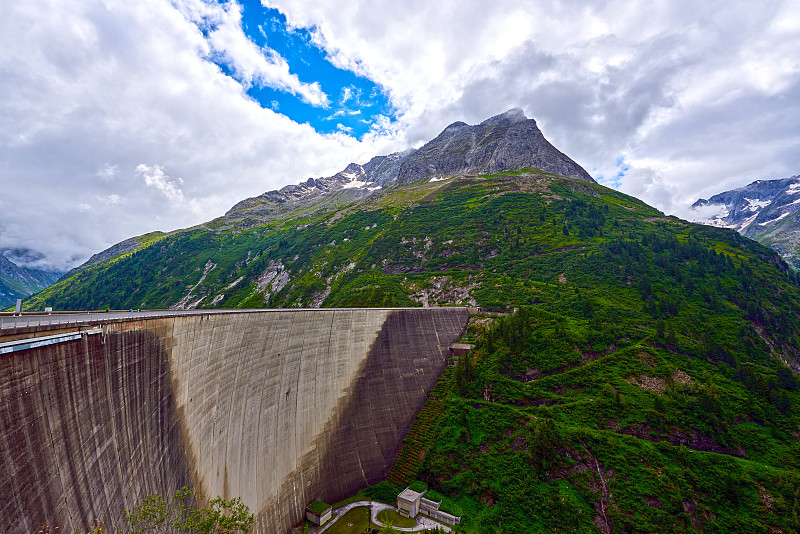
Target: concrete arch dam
{"x":279,"y":407}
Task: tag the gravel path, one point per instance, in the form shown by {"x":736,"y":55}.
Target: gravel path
{"x":377,"y":507}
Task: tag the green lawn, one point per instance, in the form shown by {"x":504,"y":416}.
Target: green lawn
{"x":397,"y":520}
{"x":353,"y":522}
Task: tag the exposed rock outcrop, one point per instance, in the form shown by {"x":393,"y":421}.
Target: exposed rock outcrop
{"x":764,"y":210}
{"x":509,"y":141}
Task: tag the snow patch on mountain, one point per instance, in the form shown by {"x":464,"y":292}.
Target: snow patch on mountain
{"x":354,"y":184}
{"x":759,"y":210}
{"x":756,"y":204}
{"x":778,"y":218}
{"x":745,"y":223}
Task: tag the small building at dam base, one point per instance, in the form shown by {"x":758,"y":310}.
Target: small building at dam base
{"x":410,"y":503}
{"x":319,"y":512}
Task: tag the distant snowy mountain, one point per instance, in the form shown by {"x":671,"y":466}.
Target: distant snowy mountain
{"x":765,"y":210}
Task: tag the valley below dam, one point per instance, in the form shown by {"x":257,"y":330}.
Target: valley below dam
{"x":278,"y":407}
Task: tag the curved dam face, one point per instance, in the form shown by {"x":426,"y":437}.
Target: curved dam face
{"x":277,"y":407}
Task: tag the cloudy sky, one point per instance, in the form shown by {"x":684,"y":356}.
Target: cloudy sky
{"x":122,"y":117}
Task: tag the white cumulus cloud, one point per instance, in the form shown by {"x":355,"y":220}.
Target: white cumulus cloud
{"x":91,"y":89}
{"x":155,"y":177}
{"x":108,"y":171}
{"x":694,"y":97}
{"x":251,"y":64}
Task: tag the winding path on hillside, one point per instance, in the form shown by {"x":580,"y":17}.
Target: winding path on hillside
{"x":377,"y":507}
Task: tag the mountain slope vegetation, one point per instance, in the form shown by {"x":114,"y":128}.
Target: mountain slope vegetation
{"x":479,"y":240}
{"x":650,"y":407}
{"x":632,"y":372}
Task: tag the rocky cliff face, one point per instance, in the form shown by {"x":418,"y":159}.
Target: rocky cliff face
{"x":509,"y":141}
{"x":765,"y":210}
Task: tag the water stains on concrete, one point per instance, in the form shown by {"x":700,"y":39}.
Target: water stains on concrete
{"x":278,"y":408}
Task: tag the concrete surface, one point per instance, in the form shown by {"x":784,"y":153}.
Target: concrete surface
{"x":280,"y":408}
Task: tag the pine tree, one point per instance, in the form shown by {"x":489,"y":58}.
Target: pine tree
{"x":464,"y":373}
{"x":660,"y":328}
{"x":546,"y":440}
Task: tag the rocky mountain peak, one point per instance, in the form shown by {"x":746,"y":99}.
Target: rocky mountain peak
{"x":458,"y":125}
{"x":508,"y":141}
{"x":513,"y":115}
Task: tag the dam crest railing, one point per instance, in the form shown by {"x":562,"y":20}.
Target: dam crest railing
{"x":67,"y":319}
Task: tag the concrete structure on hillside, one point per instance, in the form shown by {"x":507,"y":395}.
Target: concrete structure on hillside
{"x":431,"y":509}
{"x":319,"y":512}
{"x":460,"y":349}
{"x":278,"y":407}
{"x":408,"y":502}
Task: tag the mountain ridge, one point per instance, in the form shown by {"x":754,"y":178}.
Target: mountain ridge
{"x":647,"y":382}
{"x":18,"y":282}
{"x":764,"y":210}
{"x":643,"y":373}
{"x":509,"y":140}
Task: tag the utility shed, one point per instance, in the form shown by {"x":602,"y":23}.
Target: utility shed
{"x":318,"y":512}
{"x":408,"y":502}
{"x":460,"y":349}
{"x":431,"y":509}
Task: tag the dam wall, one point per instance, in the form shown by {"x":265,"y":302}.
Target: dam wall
{"x":277,"y":407}
{"x":86,"y":428}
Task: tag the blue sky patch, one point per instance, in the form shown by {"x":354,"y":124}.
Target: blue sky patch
{"x":615,"y":180}
{"x":356,"y":103}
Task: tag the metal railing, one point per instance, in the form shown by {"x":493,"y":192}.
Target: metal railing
{"x":10,"y":321}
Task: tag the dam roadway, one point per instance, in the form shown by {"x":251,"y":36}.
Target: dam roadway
{"x":278,"y":407}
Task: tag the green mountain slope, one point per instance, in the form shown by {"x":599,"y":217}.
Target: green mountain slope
{"x":586,"y":413}
{"x":481,"y":240}
{"x":648,"y":382}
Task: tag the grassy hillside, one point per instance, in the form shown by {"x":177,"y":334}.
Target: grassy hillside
{"x":647,"y":383}
{"x":571,"y":418}
{"x":472,"y":240}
